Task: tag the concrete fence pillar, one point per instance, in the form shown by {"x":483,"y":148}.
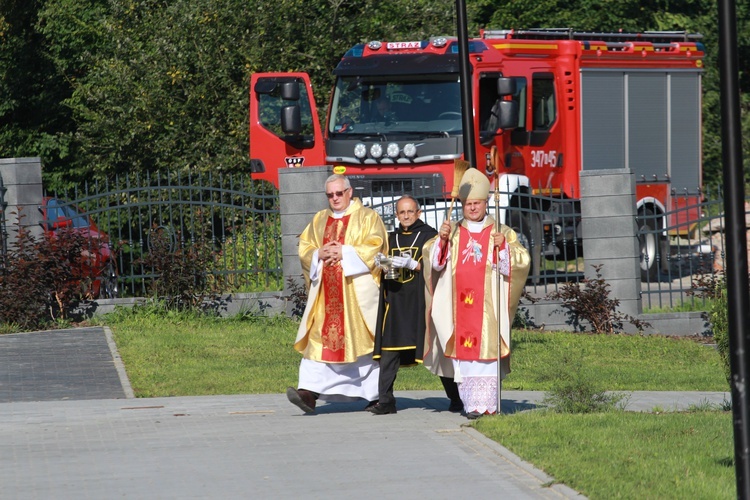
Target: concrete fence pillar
{"x":301,"y":195}
{"x":22,"y":182}
{"x":610,"y":236}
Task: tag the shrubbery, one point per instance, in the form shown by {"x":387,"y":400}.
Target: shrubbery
{"x":182,"y":269}
{"x":720,"y":324}
{"x":42,"y":279}
{"x":590,"y":302}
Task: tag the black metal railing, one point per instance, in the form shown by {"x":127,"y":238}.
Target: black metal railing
{"x":690,"y":253}
{"x":555,"y":248}
{"x":238,"y":219}
{"x":3,"y":230}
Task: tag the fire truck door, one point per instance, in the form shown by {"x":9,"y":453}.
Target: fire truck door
{"x":284,"y":128}
{"x":543,"y":108}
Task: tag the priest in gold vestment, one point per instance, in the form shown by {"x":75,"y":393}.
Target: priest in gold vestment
{"x":478,"y":272}
{"x":337,"y":251}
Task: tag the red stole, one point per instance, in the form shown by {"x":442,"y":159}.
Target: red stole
{"x":471,"y":267}
{"x":332,"y":334}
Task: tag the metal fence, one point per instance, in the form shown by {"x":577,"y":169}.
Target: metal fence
{"x":688,"y":262}
{"x":3,"y":230}
{"x":556,"y":255}
{"x":691,"y":259}
{"x":240,"y":220}
{"x":237,"y":219}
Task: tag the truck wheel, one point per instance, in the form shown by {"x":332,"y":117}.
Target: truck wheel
{"x":529,"y":229}
{"x":649,"y":245}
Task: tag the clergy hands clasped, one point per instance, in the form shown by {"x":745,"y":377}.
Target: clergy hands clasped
{"x":331,"y":253}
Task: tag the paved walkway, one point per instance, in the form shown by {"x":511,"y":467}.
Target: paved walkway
{"x":69,"y":428}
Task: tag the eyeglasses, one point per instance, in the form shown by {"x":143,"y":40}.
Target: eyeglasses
{"x":337,"y":194}
{"x":407,"y":212}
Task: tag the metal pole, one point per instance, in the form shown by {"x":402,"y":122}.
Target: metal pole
{"x":738,"y":303}
{"x":467,"y":115}
{"x":499,"y":280}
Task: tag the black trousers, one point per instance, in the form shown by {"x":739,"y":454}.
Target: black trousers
{"x":390,"y":361}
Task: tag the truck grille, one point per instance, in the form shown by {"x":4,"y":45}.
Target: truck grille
{"x":420,"y":187}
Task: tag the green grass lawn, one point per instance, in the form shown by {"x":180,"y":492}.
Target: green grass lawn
{"x":625,"y":454}
{"x":620,"y":362}
{"x":605,"y":455}
{"x":179,"y":355}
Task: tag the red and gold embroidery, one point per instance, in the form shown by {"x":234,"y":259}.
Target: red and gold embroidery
{"x":332,"y":334}
{"x":471,"y":267}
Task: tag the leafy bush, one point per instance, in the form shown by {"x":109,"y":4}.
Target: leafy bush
{"x":42,"y":279}
{"x":720,"y":324}
{"x":591,"y":302}
{"x":707,"y":285}
{"x":298,"y":294}
{"x":182,"y":269}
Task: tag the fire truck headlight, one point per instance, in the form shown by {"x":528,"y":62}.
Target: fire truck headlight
{"x":376,"y":150}
{"x":392,"y":150}
{"x":360,"y":151}
{"x":410,"y":150}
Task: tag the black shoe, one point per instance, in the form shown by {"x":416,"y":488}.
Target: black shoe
{"x":456,"y":406}
{"x":371,"y":405}
{"x":473,"y":415}
{"x":304,"y":400}
{"x":379,"y":409}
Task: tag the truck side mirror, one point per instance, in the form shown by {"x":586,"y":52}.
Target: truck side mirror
{"x":264,"y":86}
{"x":290,"y":91}
{"x":506,"y":86}
{"x":508,"y":115}
{"x":291,"y":123}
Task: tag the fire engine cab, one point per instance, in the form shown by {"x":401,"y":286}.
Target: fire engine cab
{"x":546,"y":104}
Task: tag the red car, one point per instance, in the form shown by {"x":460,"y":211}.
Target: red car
{"x":99,"y":259}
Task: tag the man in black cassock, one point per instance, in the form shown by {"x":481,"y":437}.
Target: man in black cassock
{"x":400,"y":329}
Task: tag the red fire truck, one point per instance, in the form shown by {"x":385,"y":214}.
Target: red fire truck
{"x":547,"y":104}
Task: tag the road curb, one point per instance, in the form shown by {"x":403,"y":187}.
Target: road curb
{"x":546,"y":480}
{"x":119,"y":366}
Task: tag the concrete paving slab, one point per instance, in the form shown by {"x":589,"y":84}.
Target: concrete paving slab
{"x":256,"y":446}
{"x":58,"y":365}
{"x":70,"y":428}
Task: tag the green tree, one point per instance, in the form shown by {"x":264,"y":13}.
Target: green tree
{"x":102,"y":87}
{"x":695,"y":16}
{"x":33,"y":119}
{"x":166,"y":92}
{"x":165,"y":86}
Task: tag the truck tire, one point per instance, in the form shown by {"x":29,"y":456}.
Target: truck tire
{"x":528,"y":227}
{"x":649,"y":245}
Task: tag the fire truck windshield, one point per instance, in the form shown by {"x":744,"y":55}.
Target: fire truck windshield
{"x":396,"y":104}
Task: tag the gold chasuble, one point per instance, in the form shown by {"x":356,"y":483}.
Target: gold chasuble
{"x":339,"y":319}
